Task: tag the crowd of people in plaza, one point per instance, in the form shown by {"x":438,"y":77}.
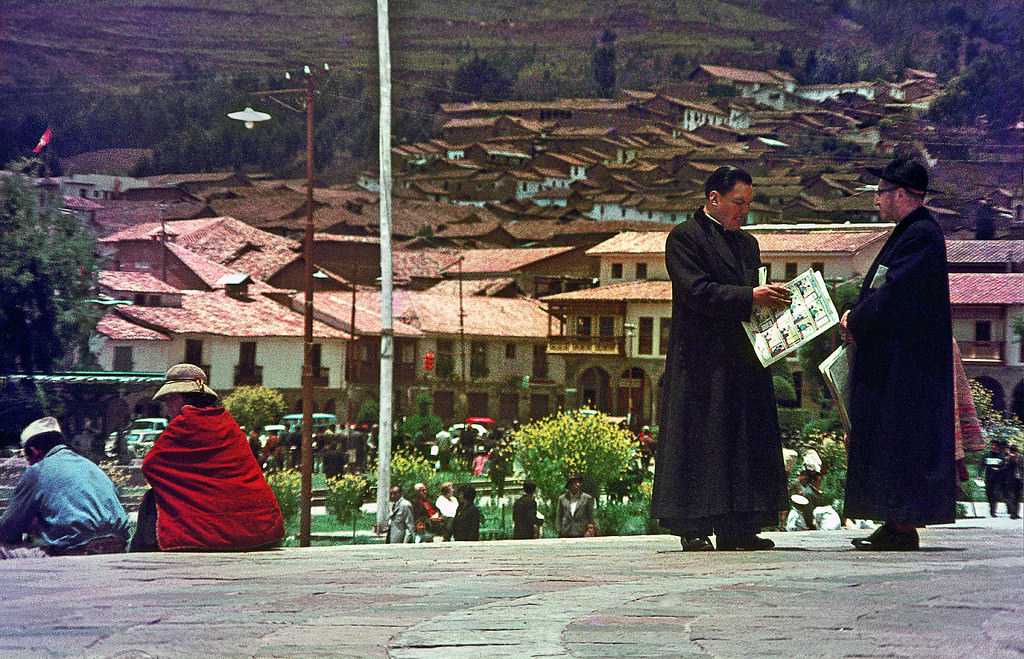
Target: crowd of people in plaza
{"x":718,"y":455}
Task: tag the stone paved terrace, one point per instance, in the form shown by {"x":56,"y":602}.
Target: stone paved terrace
{"x":961,"y":596}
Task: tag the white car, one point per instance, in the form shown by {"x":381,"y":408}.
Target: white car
{"x":140,"y":441}
{"x":148,"y":423}
{"x":481,"y":431}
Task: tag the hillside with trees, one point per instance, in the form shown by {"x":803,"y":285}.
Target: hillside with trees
{"x":162,"y":75}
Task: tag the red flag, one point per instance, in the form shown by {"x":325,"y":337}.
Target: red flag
{"x":43,"y":141}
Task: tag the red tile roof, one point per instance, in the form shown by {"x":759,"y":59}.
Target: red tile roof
{"x":114,"y":327}
{"x":833,"y":241}
{"x":134,"y":282}
{"x":771,"y":241}
{"x":117,"y":215}
{"x":224,"y":241}
{"x":740,"y":75}
{"x":630,"y":291}
{"x":504,"y":260}
{"x":986,"y":288}
{"x":74,"y":202}
{"x":203,"y":268}
{"x":407,"y":264}
{"x":337,"y":306}
{"x":985,"y":251}
{"x":215,"y":313}
{"x":482,"y":316}
{"x":632,"y":242}
{"x":472,"y":286}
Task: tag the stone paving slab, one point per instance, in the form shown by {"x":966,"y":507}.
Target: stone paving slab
{"x":963,"y":595}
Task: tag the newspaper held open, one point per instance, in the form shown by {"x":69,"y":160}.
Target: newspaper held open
{"x":775,"y":333}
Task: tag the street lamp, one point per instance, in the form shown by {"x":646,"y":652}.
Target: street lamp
{"x":630,"y":331}
{"x":249,"y":116}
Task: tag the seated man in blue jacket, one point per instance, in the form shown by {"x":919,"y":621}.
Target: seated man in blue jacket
{"x":63,"y":502}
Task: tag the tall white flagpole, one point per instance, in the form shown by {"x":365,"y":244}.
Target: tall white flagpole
{"x":386,"y":329}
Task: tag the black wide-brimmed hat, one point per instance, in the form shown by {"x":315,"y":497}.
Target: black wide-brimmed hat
{"x":905,"y":173}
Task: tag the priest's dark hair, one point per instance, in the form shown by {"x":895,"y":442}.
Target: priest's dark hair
{"x":724,"y":179}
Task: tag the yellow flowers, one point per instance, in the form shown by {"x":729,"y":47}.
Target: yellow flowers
{"x":553,"y":448}
{"x":345,"y":495}
{"x":287,"y":487}
{"x":408,"y":468}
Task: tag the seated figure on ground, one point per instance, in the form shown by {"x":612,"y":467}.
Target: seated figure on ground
{"x":466,"y":524}
{"x":208,"y":491}
{"x":63,"y":501}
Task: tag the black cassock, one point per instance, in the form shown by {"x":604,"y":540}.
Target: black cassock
{"x":901,"y":465}
{"x":719,"y":455}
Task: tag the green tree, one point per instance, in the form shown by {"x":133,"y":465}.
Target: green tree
{"x":604,"y":64}
{"x":255,"y":407}
{"x":556,"y":447}
{"x":423,"y":421}
{"x":369,"y":413}
{"x":991,"y":85}
{"x":476,"y":80}
{"x":47,"y":275}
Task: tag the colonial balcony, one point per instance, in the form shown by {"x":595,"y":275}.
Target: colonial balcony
{"x":585,"y":345}
{"x":248,"y":375}
{"x":982,"y":351}
{"x":321,"y":376}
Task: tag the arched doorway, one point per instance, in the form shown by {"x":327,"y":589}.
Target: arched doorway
{"x":595,"y":389}
{"x":1017,"y":407}
{"x":998,"y":398}
{"x":629,"y":399}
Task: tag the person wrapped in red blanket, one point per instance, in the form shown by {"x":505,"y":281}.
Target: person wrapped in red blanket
{"x":208,"y":489}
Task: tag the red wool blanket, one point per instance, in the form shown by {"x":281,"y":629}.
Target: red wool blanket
{"x":210,"y":492}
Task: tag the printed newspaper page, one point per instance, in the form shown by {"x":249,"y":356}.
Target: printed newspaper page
{"x":836,"y":372}
{"x":777,"y":332}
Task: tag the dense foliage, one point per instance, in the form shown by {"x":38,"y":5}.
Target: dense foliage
{"x":255,"y":407}
{"x":345,"y":495}
{"x":287,"y":487}
{"x":552,"y":449}
{"x":974,"y":47}
{"x":408,"y":468}
{"x":47,"y":275}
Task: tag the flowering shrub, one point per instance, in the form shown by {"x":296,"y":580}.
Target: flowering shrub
{"x":255,"y":406}
{"x":409,"y":468}
{"x":287,"y":487}
{"x":553,"y":448}
{"x":345,"y":495}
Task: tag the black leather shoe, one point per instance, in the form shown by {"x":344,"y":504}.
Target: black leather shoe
{"x":886,"y":538}
{"x":700,"y":543}
{"x":744,"y":543}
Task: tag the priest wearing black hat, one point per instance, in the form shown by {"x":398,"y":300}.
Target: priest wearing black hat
{"x":900,"y":466}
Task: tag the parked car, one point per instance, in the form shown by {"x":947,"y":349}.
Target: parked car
{"x":321,"y":421}
{"x":137,"y":426}
{"x":140,"y":441}
{"x":148,"y":423}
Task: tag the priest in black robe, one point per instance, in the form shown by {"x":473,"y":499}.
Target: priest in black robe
{"x":901,"y":463}
{"x":719,"y":467}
